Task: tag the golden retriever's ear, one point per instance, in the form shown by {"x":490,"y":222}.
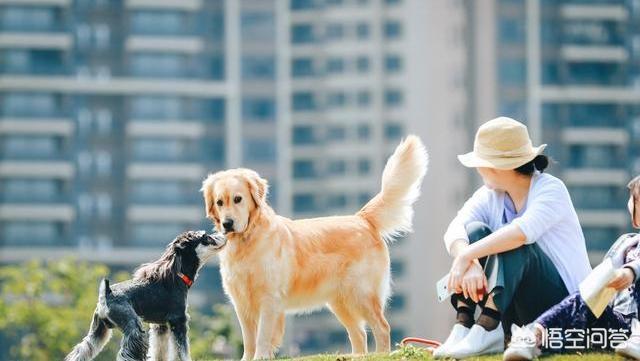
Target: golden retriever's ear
{"x":209,"y":197}
{"x":259,"y":187}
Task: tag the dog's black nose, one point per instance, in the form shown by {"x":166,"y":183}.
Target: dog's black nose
{"x":228,"y":225}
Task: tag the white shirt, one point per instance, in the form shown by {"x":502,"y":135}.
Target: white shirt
{"x":549,"y":219}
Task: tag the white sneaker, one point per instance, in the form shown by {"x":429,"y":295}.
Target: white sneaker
{"x":458,"y":332}
{"x":479,"y":342}
{"x":631,"y":347}
{"x":523,"y":345}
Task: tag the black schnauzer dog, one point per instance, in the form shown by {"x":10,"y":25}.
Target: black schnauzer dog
{"x":157,"y":294}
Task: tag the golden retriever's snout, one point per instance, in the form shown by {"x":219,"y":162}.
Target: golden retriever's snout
{"x":227,"y":224}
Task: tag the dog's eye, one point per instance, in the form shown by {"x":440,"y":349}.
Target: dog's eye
{"x":237,"y":199}
{"x":219,"y":202}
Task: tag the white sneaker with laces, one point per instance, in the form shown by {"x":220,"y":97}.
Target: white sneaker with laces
{"x":458,"y":332}
{"x":479,"y":342}
{"x":631,"y":347}
{"x":523,"y":345}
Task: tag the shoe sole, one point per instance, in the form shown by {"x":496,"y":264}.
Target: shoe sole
{"x":493,"y":350}
{"x":515,"y":357}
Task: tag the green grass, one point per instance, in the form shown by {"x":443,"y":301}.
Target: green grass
{"x":415,"y":353}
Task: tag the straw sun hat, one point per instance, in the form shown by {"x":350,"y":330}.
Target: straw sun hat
{"x":501,"y":143}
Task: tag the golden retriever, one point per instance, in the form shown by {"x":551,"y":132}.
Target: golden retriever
{"x":272,"y":264}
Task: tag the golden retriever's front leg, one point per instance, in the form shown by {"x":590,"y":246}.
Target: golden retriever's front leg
{"x":249,"y":327}
{"x":269,"y":314}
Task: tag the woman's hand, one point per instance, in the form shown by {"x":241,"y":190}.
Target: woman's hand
{"x":474,"y":282}
{"x":458,"y":269}
{"x":623,"y":279}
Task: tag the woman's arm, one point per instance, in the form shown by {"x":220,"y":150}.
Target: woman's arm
{"x":504,"y":239}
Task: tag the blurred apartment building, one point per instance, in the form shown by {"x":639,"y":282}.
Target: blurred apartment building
{"x":112,"y":112}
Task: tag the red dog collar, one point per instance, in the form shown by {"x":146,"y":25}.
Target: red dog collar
{"x":187,"y":281}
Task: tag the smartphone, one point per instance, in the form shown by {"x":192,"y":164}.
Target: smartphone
{"x":441,"y":287}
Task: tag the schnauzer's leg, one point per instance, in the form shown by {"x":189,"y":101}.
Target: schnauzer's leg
{"x":134,"y":343}
{"x":180,"y":337}
{"x":158,"y":342}
{"x":99,"y":334}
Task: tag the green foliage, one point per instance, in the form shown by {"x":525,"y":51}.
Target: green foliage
{"x":214,"y":335}
{"x":46,"y":308}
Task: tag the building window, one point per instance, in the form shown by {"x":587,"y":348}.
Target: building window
{"x":30,"y":104}
{"x":392,"y":29}
{"x":397,"y":302}
{"x":302,"y":34}
{"x":392,"y":63}
{"x":302,"y":67}
{"x":335,"y":65}
{"x":364,"y":166}
{"x":337,"y":99}
{"x":364,"y":197}
{"x":154,"y":234}
{"x":303,"y":101}
{"x":393,"y":131}
{"x":32,"y":190}
{"x":512,"y":30}
{"x":26,"y":233}
{"x":512,"y":71}
{"x":336,"y":133}
{"x":259,"y":151}
{"x":362,"y":64}
{"x":337,"y":167}
{"x":305,"y":202}
{"x":25,"y":147}
{"x":398,"y":268}
{"x":334,"y":32}
{"x":258,"y":109}
{"x":258,"y":67}
{"x":258,"y":25}
{"x":303,"y":135}
{"x":364,"y":98}
{"x":337,"y":201}
{"x":393,"y":97}
{"x":303,"y":4}
{"x":161,"y":22}
{"x":362,"y":31}
{"x":364,"y":132}
{"x":304,"y":169}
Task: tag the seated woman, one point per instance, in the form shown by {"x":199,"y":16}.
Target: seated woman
{"x":573,"y":313}
{"x":517,"y":243}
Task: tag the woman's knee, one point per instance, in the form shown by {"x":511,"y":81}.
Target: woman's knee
{"x":477,"y":230}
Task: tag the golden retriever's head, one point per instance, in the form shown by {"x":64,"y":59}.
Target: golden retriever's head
{"x":231,"y":197}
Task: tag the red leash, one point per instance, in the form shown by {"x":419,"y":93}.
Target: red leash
{"x":424,"y":341}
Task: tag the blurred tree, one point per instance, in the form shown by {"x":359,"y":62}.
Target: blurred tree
{"x":46,"y":308}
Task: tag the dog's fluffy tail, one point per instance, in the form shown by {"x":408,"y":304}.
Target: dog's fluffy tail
{"x":99,"y":332}
{"x":390,"y":211}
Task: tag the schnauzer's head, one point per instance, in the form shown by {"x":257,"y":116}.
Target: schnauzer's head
{"x":197,"y":246}
{"x":185,"y":254}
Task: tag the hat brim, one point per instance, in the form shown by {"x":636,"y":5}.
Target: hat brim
{"x":472,"y":160}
